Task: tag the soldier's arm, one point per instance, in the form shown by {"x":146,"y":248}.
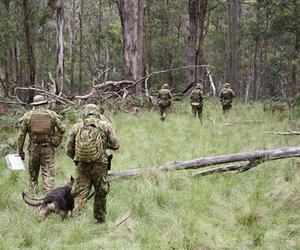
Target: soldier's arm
{"x":112,"y":141}
{"x":170,"y":95}
{"x":61,"y":129}
{"x":71,"y":141}
{"x":23,"y":130}
{"x":233,"y":94}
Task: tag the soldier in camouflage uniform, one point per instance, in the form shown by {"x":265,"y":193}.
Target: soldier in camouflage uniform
{"x":196,"y":100}
{"x":226,"y":96}
{"x":164,"y":100}
{"x":45,"y":133}
{"x":91,"y":161}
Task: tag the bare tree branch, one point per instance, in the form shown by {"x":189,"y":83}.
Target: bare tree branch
{"x":58,"y":98}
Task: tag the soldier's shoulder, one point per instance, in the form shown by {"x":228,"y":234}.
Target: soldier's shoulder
{"x":25,"y":117}
{"x":52,"y":113}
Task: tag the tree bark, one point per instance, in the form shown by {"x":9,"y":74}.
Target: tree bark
{"x":29,"y":48}
{"x":232,"y":56}
{"x":294,"y":83}
{"x":166,"y":56}
{"x":58,"y":5}
{"x":254,"y":157}
{"x":80,"y":46}
{"x":195,"y":54}
{"x":191,"y":42}
{"x":200,"y":60}
{"x":72,"y":44}
{"x":132,"y":15}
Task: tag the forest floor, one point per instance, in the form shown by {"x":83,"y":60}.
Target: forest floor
{"x":257,"y":209}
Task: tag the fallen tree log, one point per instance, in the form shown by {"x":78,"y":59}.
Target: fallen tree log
{"x":241,"y":122}
{"x":284,"y":133}
{"x":252,"y":159}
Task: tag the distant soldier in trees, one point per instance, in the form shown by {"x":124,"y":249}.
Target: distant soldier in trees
{"x":87,"y":144}
{"x":164,"y":100}
{"x":226,"y":96}
{"x":196,"y":100}
{"x":45,"y":133}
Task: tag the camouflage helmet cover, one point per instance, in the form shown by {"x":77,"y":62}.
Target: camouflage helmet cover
{"x":165,"y":86}
{"x":38,"y":100}
{"x":91,"y":109}
{"x":199,"y":86}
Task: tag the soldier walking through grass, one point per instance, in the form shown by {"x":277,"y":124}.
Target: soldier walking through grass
{"x":226,"y":96}
{"x":164,"y":100}
{"x":86,"y":145}
{"x":45,"y":133}
{"x":196,"y":100}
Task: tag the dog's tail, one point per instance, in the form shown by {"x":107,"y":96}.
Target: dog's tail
{"x":31,"y":201}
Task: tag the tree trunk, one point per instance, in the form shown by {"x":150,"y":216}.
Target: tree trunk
{"x":166,"y":56}
{"x":72,"y":44}
{"x":195,"y":54}
{"x":191,"y":42}
{"x":132,"y":15}
{"x":232,"y":56}
{"x":80,"y":46}
{"x":254,"y":158}
{"x":294,"y":83}
{"x":202,"y":7}
{"x":29,"y":48}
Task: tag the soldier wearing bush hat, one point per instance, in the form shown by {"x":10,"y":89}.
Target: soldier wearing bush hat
{"x":45,"y":132}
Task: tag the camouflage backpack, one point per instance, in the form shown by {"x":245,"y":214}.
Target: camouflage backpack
{"x":196,"y":98}
{"x":41,"y":126}
{"x":88,"y":142}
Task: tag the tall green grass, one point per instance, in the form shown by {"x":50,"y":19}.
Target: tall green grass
{"x":258,"y":209}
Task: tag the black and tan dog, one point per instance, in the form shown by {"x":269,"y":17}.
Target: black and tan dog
{"x":60,"y":201}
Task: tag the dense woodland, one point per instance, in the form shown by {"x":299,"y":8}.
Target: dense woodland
{"x":67,"y":47}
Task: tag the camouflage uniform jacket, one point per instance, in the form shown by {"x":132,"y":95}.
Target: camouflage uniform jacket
{"x":109,"y":138}
{"x":196,"y":96}
{"x":25,"y":126}
{"x":164,"y":94}
{"x":227,"y":94}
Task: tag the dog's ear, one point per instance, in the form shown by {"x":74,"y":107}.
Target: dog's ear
{"x":72,"y":178}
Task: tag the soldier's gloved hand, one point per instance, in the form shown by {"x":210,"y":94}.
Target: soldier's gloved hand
{"x":22,"y":155}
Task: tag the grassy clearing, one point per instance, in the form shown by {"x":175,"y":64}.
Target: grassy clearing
{"x":258,"y":209}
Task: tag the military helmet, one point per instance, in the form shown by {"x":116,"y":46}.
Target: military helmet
{"x":165,"y":86}
{"x":38,"y":100}
{"x":91,"y":109}
{"x":226,"y":85}
{"x":199,"y":86}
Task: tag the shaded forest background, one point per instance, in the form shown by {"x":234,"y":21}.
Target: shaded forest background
{"x":67,"y":47}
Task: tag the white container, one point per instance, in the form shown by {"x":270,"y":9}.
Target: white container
{"x":14,"y":162}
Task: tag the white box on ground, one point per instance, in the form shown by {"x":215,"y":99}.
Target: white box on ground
{"x":14,"y":162}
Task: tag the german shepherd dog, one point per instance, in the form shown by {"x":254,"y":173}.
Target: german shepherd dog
{"x":59,"y":201}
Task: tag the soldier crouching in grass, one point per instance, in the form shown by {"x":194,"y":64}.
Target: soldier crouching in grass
{"x":86,"y":145}
{"x":45,"y":133}
{"x":164,"y":100}
{"x":226,"y":96}
{"x":196,"y":100}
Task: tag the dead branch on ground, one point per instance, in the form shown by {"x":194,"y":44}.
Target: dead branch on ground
{"x":284,"y":132}
{"x":252,"y":159}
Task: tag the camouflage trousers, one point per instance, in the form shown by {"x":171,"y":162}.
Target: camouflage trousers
{"x":41,"y":156}
{"x":163,"y":108}
{"x":90,"y":174}
{"x":197,"y":110}
{"x":226,"y":105}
